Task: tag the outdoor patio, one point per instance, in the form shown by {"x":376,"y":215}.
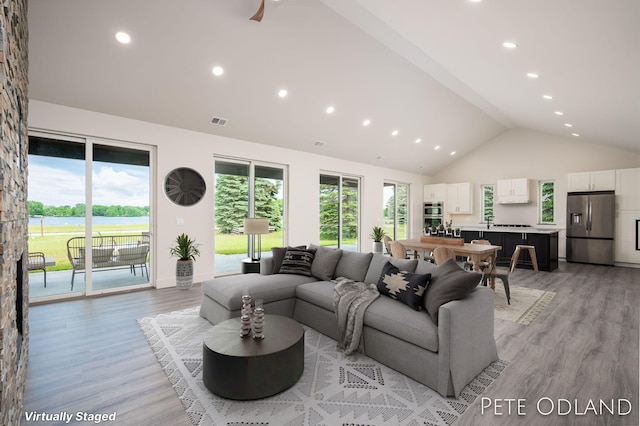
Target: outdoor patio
{"x":59,"y":282}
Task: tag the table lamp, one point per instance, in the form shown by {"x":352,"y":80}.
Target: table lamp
{"x":255,"y":226}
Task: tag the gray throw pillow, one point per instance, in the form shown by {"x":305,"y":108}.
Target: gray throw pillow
{"x":379,"y":260}
{"x":297,"y":261}
{"x":353,"y":265}
{"x":403,"y":286}
{"x":324,"y":262}
{"x":277,"y":253}
{"x":449,"y":282}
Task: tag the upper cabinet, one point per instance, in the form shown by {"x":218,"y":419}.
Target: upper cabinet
{"x":603,"y":180}
{"x":513,"y":191}
{"x":459,"y":198}
{"x":628,"y":189}
{"x":435,"y":192}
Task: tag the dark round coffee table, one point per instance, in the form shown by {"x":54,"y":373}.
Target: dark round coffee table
{"x":243,"y":368}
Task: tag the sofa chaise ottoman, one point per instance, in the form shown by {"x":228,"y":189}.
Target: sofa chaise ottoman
{"x":442,"y":346}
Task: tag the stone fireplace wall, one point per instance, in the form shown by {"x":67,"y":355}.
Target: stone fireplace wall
{"x":14,"y":337}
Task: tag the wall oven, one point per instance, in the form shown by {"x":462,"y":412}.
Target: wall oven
{"x":433,"y":214}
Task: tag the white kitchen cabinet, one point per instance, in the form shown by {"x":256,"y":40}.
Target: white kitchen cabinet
{"x":513,"y":191}
{"x":628,"y":189}
{"x":459,"y":198}
{"x":603,"y":180}
{"x":626,"y":241}
{"x":435,"y":192}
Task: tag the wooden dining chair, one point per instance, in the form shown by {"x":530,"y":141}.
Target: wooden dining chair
{"x":398,"y":250}
{"x":468,"y":264}
{"x":442,"y":254}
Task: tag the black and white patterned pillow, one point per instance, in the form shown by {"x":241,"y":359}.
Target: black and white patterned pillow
{"x":297,"y":261}
{"x":403,"y":286}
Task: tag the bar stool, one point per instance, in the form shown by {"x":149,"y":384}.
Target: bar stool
{"x":532,"y":253}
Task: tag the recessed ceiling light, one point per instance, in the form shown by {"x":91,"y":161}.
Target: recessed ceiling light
{"x":217,"y":71}
{"x":394,"y":133}
{"x":282,"y":93}
{"x":366,"y":122}
{"x":568,"y":125}
{"x":453,"y":153}
{"x":418,"y":140}
{"x":549,"y":97}
{"x":559,"y":113}
{"x":575,"y":134}
{"x":532,"y":75}
{"x":123,"y":37}
{"x":509,"y":45}
{"x":475,"y":1}
{"x":437,"y":147}
{"x":330,"y":109}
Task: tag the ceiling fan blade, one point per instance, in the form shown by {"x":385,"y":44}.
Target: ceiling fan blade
{"x":259,"y":14}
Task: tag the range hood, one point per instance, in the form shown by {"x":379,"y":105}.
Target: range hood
{"x":514,"y":201}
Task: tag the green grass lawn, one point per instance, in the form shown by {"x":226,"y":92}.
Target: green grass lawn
{"x":53,"y":241}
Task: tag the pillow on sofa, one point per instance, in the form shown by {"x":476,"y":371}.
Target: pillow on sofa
{"x":449,"y":282}
{"x":277,"y":253}
{"x":379,"y":260}
{"x":353,"y":265}
{"x":403,"y":286}
{"x":324,"y":262}
{"x":297,"y":261}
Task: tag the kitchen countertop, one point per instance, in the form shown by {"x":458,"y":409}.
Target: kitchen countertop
{"x":529,"y":230}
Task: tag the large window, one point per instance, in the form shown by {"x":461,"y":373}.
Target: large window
{"x":246,"y":189}
{"x":339,"y":211}
{"x":547,"y":202}
{"x":487,"y":203}
{"x":395,"y":210}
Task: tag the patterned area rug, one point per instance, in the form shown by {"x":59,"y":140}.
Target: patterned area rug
{"x":333,"y":390}
{"x":526,"y":303}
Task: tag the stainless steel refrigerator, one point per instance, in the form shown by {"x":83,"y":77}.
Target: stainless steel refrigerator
{"x":590,"y":227}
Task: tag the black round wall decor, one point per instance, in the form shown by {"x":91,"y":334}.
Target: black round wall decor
{"x":184,"y":186}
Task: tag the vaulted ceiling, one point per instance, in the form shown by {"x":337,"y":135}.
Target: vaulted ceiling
{"x":434,"y":70}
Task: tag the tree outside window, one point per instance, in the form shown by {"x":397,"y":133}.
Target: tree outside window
{"x":487,"y":203}
{"x":547,"y":202}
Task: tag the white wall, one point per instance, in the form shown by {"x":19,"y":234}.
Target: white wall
{"x":521,"y":153}
{"x":182,"y":148}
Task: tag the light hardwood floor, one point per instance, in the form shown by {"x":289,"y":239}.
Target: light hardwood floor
{"x":90,"y":355}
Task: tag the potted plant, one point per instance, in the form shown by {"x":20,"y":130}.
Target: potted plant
{"x":448,"y":225}
{"x":186,"y":250}
{"x":377,"y":234}
{"x":456,"y":232}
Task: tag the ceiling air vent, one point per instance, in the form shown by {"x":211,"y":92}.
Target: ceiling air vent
{"x":318,"y":144}
{"x":219,"y":121}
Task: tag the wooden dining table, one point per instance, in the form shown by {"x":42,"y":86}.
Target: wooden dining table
{"x":477,"y":252}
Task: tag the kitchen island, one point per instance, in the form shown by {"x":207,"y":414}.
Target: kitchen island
{"x":545,"y":240}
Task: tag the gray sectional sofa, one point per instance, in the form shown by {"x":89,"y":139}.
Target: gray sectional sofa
{"x":444,"y":355}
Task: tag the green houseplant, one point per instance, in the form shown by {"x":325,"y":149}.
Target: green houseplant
{"x":377,"y":234}
{"x":186,"y":250}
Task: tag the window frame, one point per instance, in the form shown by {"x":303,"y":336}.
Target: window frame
{"x":541,"y":184}
{"x":483,"y":213}
{"x":396,"y":217}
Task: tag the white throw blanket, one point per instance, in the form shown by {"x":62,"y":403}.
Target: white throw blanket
{"x":351,"y":299}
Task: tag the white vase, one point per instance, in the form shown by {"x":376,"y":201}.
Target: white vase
{"x":377,"y":247}
{"x":184,"y":274}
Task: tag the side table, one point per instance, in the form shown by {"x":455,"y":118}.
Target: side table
{"x":250,"y":266}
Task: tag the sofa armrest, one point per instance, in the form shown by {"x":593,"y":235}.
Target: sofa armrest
{"x":266,"y":265}
{"x":466,"y":339}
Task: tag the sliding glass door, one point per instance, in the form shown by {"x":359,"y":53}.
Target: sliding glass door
{"x":395,"y":210}
{"x":245,"y":188}
{"x":120,"y":216}
{"x":339,"y":211}
{"x":89,"y":208}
